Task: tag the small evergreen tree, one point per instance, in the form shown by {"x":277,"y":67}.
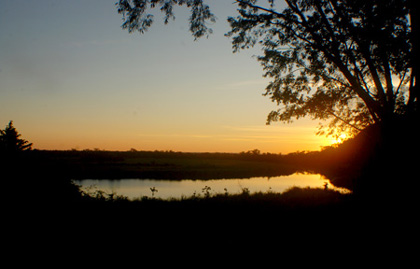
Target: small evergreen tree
{"x":10,"y":141}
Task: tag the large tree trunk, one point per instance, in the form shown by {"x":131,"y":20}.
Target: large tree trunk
{"x":392,"y":157}
{"x":414,"y":91}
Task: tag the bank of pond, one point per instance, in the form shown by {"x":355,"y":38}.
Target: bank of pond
{"x":166,"y":189}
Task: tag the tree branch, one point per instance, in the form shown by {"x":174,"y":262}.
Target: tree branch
{"x":343,"y":120}
{"x":271,"y":11}
{"x":389,"y":87}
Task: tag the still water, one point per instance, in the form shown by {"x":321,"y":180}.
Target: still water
{"x":137,"y":188}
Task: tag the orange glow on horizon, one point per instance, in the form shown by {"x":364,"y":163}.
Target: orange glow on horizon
{"x":273,"y":139}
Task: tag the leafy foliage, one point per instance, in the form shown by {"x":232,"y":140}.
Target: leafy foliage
{"x":136,"y":17}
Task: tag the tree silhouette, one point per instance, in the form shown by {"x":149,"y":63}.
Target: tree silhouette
{"x":349,"y":61}
{"x":10,"y":141}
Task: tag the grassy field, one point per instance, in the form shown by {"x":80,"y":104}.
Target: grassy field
{"x":164,"y":165}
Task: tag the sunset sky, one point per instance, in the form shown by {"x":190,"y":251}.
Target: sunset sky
{"x":70,"y":77}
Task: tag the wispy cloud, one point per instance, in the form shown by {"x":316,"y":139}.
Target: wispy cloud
{"x":260,"y":83}
{"x":271,"y":129}
{"x":89,"y":43}
{"x":169,"y":135}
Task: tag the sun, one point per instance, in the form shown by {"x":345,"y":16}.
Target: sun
{"x":338,"y":140}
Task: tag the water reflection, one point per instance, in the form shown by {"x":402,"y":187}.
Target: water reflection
{"x":136,"y":188}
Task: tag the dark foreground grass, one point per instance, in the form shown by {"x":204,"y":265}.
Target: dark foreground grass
{"x":295,"y":207}
{"x":298,"y":210}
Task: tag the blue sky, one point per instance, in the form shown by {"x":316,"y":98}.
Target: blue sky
{"x":70,"y":77}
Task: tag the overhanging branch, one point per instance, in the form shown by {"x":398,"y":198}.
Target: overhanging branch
{"x":343,"y":120}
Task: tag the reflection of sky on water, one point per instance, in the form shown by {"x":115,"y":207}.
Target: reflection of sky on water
{"x":135,"y":188}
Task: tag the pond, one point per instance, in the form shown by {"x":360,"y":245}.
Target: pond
{"x":137,"y":188}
